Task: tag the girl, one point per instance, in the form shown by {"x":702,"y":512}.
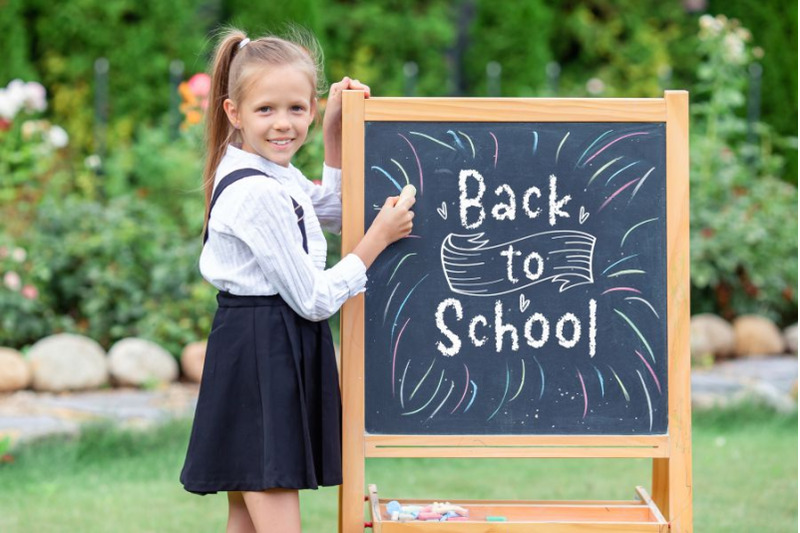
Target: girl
{"x":267,"y":421}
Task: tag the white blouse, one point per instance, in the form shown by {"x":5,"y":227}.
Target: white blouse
{"x":255,"y":246}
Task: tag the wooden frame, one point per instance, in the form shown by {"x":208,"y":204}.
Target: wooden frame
{"x":671,"y":453}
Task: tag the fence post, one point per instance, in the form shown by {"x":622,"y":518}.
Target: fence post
{"x":553,"y":71}
{"x":754,"y":111}
{"x":175,"y":78}
{"x":410,"y":71}
{"x":493,"y":73}
{"x":101,"y":67}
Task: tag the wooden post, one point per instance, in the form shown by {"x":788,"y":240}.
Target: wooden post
{"x":672,"y":476}
{"x":351,"y":493}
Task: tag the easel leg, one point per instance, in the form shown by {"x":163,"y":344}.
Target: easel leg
{"x":673,"y":498}
{"x":660,"y":489}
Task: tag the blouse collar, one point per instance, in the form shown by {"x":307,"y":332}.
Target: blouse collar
{"x":246,"y":159}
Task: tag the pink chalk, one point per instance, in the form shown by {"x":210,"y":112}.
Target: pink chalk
{"x":428,"y":516}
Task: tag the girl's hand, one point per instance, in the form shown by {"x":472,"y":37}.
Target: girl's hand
{"x":332,"y":123}
{"x":394,"y":221}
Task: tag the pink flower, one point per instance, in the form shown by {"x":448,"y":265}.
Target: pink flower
{"x":12,"y":280}
{"x":30,"y":292}
{"x":200,"y":86}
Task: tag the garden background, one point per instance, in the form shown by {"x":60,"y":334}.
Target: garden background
{"x":101,"y":104}
{"x":100,"y":193}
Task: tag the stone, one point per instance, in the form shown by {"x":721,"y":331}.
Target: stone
{"x":66,"y":362}
{"x":139,"y":362}
{"x":15,"y":374}
{"x":790,"y":338}
{"x":757,"y":336}
{"x":192,"y":359}
{"x":711,"y":336}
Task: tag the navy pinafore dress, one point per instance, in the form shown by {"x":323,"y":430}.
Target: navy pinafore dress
{"x":268,"y":412}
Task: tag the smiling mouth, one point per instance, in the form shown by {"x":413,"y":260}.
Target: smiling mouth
{"x":281,"y":142}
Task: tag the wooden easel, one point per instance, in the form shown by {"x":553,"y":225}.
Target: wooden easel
{"x":670,"y":507}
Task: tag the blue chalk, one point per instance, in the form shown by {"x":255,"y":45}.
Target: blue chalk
{"x":393,"y":506}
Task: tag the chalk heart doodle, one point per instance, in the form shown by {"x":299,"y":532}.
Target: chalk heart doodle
{"x":559,"y":256}
{"x":523,"y":303}
{"x":442,"y":211}
{"x":583,"y":215}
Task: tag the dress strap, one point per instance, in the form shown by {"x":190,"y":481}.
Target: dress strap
{"x":238,"y":174}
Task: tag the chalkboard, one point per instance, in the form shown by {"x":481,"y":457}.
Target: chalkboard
{"x":531,"y":297}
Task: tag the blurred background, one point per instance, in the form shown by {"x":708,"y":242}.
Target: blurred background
{"x":101,"y":106}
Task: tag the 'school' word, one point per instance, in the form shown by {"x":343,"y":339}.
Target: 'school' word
{"x":479,"y":324}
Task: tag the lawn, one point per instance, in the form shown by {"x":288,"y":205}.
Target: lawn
{"x":745,"y":479}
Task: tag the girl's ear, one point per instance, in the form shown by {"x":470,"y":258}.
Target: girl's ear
{"x":314,"y":110}
{"x":232,"y":112}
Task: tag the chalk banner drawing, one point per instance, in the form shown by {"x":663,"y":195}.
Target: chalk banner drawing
{"x":531,"y":296}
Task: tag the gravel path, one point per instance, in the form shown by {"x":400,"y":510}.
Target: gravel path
{"x":27,"y":415}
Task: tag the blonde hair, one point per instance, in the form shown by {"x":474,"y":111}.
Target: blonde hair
{"x":233,"y":69}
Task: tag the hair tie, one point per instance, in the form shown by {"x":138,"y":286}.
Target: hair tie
{"x":243,"y":43}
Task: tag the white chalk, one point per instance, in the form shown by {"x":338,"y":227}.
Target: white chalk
{"x":409,"y":191}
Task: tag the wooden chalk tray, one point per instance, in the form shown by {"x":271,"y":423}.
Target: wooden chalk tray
{"x":637,"y":515}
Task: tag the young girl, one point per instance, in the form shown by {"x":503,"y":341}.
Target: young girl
{"x":267,"y":421}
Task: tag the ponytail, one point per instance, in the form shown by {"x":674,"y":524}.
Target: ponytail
{"x":233,"y":57}
{"x":218,"y":129}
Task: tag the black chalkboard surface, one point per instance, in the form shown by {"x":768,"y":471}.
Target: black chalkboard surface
{"x":531,"y":296}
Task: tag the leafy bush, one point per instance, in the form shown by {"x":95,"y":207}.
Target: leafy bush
{"x":514,"y":34}
{"x":115,"y":269}
{"x":744,"y":219}
{"x":163,"y":169}
{"x":381,"y":36}
{"x":139,"y":39}
{"x":627,"y":47}
{"x":774,"y":26}
{"x":24,"y":316}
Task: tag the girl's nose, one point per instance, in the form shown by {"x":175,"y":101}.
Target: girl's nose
{"x":282,"y":122}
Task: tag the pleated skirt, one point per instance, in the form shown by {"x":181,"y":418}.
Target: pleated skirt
{"x":268,"y":412}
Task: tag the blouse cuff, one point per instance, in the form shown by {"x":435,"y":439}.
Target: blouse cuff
{"x":354,"y":273}
{"x":331,"y":177}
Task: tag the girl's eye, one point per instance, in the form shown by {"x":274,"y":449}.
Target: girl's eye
{"x":298,"y":108}
{"x":264,"y":109}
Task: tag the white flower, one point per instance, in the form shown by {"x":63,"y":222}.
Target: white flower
{"x":19,"y":255}
{"x":12,"y":280}
{"x":93,"y":162}
{"x":9,"y":107}
{"x":734,"y":49}
{"x":57,"y":137}
{"x":32,"y":127}
{"x":595,"y":86}
{"x":35,"y":97}
{"x":706,"y":22}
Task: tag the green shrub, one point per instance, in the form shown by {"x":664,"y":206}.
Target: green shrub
{"x":514,"y":34}
{"x":14,"y":42}
{"x":119,"y":270}
{"x":744,"y":219}
{"x":379,"y":37}
{"x":24,"y":316}
{"x":139,"y":39}
{"x":164,"y":169}
{"x":774,"y":27}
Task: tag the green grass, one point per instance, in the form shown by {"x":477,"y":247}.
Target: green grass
{"x":745,"y":479}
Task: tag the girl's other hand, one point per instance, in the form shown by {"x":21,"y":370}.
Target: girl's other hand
{"x":332,"y":123}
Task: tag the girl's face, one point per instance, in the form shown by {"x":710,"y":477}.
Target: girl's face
{"x":275,"y":113}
